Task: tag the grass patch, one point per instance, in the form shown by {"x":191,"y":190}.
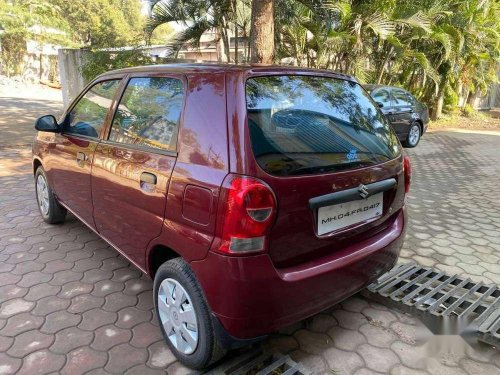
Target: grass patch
{"x":475,"y":120}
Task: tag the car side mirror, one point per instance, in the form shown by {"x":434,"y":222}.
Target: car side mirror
{"x":380,"y":105}
{"x":47,"y":123}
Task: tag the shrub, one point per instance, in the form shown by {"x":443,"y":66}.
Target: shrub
{"x":468,"y":111}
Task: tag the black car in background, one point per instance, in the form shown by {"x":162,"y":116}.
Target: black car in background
{"x":408,"y":117}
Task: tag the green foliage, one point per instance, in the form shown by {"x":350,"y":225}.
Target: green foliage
{"x":13,"y":49}
{"x":422,"y":45}
{"x":102,"y":23}
{"x":95,"y":24}
{"x":450,"y":104}
{"x":197,"y":17}
{"x":162,"y":34}
{"x":468,"y":110}
{"x":98,"y":62}
{"x":23,"y":20}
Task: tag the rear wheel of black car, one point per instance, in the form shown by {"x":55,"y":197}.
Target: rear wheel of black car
{"x":184,"y":315}
{"x":52,"y":212}
{"x":413,"y":136}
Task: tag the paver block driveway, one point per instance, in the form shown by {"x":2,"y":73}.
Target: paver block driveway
{"x":70,"y":304}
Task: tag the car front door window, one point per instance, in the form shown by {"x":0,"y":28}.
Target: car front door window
{"x":88,"y":115}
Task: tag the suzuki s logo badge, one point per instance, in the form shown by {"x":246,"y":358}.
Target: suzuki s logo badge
{"x":363,"y":191}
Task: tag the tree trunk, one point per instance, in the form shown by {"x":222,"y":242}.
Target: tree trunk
{"x":437,"y":107}
{"x":460,"y":93}
{"x":235,"y":15}
{"x":384,"y":64}
{"x":471,"y":98}
{"x":262,"y":32}
{"x":225,"y":40}
{"x":40,"y":67}
{"x":438,"y":111}
{"x":235,"y":43}
{"x":222,"y":47}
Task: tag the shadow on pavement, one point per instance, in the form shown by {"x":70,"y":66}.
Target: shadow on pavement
{"x":18,"y":116}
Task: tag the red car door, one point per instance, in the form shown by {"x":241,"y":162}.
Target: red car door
{"x":69,"y":161}
{"x":133,"y":164}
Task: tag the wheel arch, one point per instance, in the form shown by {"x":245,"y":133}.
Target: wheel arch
{"x":157,"y":255}
{"x":36,"y":163}
{"x":420,"y":124}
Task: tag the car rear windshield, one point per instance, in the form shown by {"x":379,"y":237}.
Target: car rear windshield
{"x":310,"y":124}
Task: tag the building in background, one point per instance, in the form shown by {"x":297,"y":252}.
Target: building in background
{"x":209,"y":49}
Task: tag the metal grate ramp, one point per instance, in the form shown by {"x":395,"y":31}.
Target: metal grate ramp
{"x":446,"y":304}
{"x":255,"y":362}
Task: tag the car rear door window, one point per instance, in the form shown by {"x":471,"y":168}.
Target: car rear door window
{"x":89,"y":114}
{"x":382,"y":96}
{"x":307,"y":124}
{"x":400,"y":98}
{"x":148,"y":113}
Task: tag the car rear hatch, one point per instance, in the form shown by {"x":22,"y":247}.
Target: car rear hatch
{"x":330,"y":157}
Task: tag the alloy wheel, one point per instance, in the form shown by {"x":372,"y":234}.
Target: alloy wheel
{"x":42,"y":193}
{"x":414,"y":134}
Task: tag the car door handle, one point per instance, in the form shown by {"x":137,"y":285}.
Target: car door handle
{"x":148,"y":178}
{"x":81,"y":157}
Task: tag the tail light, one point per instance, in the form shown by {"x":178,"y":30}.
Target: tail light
{"x":246,"y":213}
{"x":407,"y":173}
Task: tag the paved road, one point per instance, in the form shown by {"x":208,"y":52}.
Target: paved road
{"x":70,"y":304}
{"x":20,"y":106}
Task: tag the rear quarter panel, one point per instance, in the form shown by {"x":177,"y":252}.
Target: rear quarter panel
{"x":201,"y":166}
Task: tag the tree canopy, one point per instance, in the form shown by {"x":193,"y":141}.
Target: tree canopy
{"x":437,"y":49}
{"x":92,"y":24}
{"x":434,"y":48}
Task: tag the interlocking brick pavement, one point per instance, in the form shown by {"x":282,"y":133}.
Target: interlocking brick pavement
{"x":454,"y":212}
{"x":70,"y":304}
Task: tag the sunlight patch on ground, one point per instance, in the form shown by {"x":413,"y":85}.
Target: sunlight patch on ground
{"x":18,"y":163}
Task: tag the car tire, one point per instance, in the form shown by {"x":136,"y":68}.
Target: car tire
{"x":413,"y":135}
{"x":175,"y":315}
{"x":50,"y":209}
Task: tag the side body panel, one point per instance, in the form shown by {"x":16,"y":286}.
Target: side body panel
{"x":71,"y":177}
{"x":127,"y":212}
{"x":201,"y":166}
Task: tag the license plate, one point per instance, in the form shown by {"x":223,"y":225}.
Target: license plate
{"x":338,"y":216}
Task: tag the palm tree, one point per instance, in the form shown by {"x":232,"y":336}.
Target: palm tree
{"x":435,"y":48}
{"x":197,"y":17}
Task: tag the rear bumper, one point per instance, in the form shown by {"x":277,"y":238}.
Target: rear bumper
{"x":251,"y":298}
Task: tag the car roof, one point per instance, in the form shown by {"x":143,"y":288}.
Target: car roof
{"x":192,"y":68}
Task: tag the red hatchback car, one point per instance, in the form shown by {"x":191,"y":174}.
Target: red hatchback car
{"x":253,"y":196}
